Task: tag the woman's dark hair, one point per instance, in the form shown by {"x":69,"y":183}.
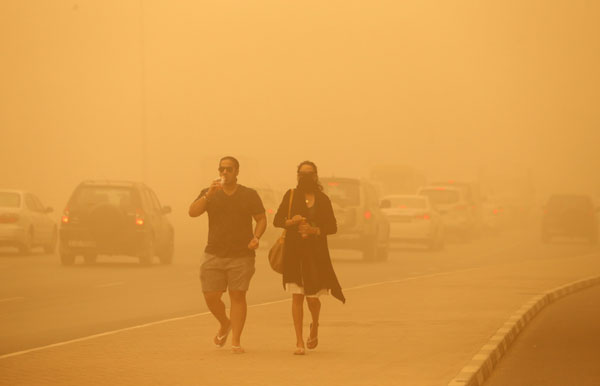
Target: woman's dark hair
{"x":310,"y":163}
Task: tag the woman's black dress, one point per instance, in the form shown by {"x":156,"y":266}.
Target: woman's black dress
{"x":306,"y":262}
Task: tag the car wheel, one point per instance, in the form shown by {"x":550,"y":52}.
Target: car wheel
{"x":148,"y":253}
{"x":370,"y":249}
{"x":67,"y":258}
{"x":166,"y":257}
{"x":90,"y":258}
{"x":25,"y":247}
{"x":383,"y":252}
{"x":51,"y":246}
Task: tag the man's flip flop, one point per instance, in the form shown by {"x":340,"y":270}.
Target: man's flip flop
{"x":237,"y":350}
{"x":220,"y":340}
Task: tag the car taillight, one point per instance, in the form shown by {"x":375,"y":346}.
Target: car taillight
{"x":65,"y":217}
{"x":139,"y":217}
{"x":496,"y":211}
{"x":8,"y":218}
{"x":424,"y":216}
{"x":270,"y":211}
{"x":368,"y":214}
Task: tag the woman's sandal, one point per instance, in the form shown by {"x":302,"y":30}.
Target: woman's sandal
{"x":299,"y":351}
{"x":220,"y":340}
{"x":311,"y":343}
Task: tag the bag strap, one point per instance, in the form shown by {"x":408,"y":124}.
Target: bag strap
{"x":290,"y":206}
{"x":289,"y":212}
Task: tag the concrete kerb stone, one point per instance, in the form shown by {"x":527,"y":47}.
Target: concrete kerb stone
{"x":479,"y":369}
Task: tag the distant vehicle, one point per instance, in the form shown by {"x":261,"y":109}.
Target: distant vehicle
{"x":473,"y":197}
{"x":25,"y":223}
{"x":495,"y":216}
{"x":413,"y":220}
{"x":115,"y":218}
{"x":570,"y":215}
{"x":361,"y":224}
{"x":270,"y":199}
{"x":452,"y":205}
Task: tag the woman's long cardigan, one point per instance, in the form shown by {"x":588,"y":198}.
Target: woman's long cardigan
{"x":306,"y":262}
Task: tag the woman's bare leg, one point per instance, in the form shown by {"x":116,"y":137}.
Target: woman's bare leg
{"x":297,"y":315}
{"x":314,"y":305}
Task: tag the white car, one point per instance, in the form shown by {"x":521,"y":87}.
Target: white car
{"x":25,"y":223}
{"x":413,"y":219}
{"x":451,"y":203}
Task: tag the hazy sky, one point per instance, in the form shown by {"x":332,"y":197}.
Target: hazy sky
{"x":452,"y":88}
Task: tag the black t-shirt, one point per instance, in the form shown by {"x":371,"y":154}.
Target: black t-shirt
{"x":230,"y":222}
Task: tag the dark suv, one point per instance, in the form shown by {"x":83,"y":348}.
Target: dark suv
{"x":361,"y":224}
{"x":570,"y":215}
{"x":115,"y":218}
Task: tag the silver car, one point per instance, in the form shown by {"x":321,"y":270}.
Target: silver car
{"x":25,"y":223}
{"x":413,"y":220}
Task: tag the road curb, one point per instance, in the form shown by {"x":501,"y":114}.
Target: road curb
{"x":481,"y":366}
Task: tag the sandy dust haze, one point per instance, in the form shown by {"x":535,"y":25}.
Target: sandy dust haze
{"x":502,"y":95}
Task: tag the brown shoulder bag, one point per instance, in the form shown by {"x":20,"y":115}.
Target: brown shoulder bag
{"x":276,"y":251}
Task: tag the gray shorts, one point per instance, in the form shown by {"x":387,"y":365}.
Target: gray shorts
{"x":217,"y":274}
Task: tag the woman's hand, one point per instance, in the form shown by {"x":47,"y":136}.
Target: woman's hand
{"x":306,"y":230}
{"x":297,"y":219}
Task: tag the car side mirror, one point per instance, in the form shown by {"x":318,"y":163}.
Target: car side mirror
{"x":385,"y":204}
{"x":49,"y":209}
{"x":165,"y":210}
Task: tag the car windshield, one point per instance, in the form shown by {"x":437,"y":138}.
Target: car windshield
{"x":441,"y":196}
{"x":407,"y":202}
{"x":87,"y":196}
{"x":10,"y":200}
{"x":343,"y":193}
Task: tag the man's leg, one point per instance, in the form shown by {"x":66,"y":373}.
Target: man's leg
{"x":239,"y":309}
{"x":217,"y":308}
{"x":239,"y":272}
{"x":214,"y":283}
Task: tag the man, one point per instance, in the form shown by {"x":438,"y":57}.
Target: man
{"x":229,"y":255}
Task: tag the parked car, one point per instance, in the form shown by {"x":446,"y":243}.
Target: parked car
{"x":414,"y":220}
{"x":115,"y":218}
{"x":452,"y":205}
{"x":570,"y":215}
{"x":25,"y":222}
{"x":361,"y":223}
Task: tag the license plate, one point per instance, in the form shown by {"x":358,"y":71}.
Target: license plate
{"x":81,"y":243}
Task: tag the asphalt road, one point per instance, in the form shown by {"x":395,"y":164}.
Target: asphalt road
{"x":561,"y":346}
{"x":42,"y":302}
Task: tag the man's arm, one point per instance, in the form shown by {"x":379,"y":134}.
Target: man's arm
{"x":259,"y":229}
{"x":198,"y":207}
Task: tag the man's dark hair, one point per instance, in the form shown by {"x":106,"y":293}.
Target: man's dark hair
{"x":235,"y":161}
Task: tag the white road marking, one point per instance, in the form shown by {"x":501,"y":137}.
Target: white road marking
{"x":11,"y":299}
{"x":110,"y":284}
{"x":113,"y":332}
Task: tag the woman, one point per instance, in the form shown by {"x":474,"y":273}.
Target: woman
{"x":307,"y":269}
